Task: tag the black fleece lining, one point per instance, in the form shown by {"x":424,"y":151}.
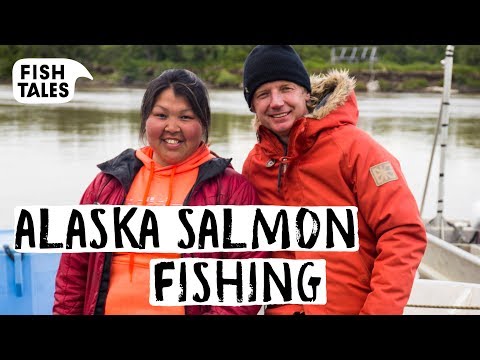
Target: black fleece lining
{"x":104,"y":283}
{"x":124,"y":167}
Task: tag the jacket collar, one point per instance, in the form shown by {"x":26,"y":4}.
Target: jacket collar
{"x":126,"y":165}
{"x":123,"y":167}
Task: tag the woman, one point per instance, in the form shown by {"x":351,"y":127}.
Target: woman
{"x":176,"y":168}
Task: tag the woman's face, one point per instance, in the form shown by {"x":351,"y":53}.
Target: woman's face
{"x":172,"y":128}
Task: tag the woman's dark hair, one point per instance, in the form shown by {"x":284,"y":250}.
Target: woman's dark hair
{"x":183,"y":83}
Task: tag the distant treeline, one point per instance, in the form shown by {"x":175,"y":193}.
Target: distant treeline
{"x":221,"y":65}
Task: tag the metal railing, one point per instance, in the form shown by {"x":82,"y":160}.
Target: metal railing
{"x":353,"y":54}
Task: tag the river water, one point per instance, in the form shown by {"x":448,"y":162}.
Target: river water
{"x":49,"y":152}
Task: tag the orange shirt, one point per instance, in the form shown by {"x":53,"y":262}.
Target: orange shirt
{"x":130,"y":295}
{"x":129,"y":288}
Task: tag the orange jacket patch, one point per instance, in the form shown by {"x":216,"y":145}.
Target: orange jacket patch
{"x":383,"y":173}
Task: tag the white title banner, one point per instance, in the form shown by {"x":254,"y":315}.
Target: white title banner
{"x":231,"y":282}
{"x":184,"y":229}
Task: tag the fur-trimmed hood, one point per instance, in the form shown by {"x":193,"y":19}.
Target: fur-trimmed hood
{"x":329,"y":94}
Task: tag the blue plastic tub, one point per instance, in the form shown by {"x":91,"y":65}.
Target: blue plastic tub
{"x":27,"y":280}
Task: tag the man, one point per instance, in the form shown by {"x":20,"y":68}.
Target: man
{"x":310,"y":153}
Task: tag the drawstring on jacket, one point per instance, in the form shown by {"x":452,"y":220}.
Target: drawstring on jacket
{"x":170,"y":187}
{"x":131,"y":263}
{"x":284,"y":161}
{"x":282,"y":169}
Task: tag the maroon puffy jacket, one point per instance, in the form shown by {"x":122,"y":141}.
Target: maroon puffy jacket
{"x":82,"y":279}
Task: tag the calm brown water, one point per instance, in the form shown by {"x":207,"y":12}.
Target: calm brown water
{"x":49,"y":153}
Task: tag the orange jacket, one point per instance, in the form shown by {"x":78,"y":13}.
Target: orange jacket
{"x":331,"y":162}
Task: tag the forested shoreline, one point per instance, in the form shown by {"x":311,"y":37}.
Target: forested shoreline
{"x":396,"y":68}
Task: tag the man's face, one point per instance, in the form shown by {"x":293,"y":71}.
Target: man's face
{"x":278,"y":104}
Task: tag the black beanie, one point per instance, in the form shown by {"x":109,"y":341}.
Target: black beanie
{"x":267,"y":63}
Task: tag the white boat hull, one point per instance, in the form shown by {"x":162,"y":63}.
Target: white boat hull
{"x":450,"y":261}
{"x":448,"y":280}
{"x":439,"y":297}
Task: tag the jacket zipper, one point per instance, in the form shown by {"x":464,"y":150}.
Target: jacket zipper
{"x":282,"y":168}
